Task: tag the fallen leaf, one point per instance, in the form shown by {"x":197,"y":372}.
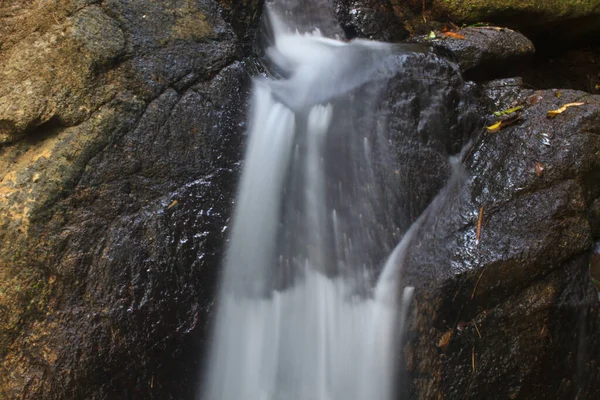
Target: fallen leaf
{"x":173,"y":204}
{"x":554,"y":113}
{"x":558,"y":94}
{"x":431,"y":35}
{"x":495,"y":127}
{"x":503,"y":123}
{"x":445,"y":340}
{"x":454,"y":35}
{"x":539,"y":169}
{"x":507,"y":111}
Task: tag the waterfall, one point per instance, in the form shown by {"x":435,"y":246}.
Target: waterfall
{"x":302,"y":314}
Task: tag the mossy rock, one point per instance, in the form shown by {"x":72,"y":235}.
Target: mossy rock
{"x":545,"y":11}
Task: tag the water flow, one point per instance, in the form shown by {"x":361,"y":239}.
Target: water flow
{"x":301,"y":316}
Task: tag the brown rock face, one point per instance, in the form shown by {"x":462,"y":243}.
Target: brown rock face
{"x":120,"y":127}
{"x":58,"y":74}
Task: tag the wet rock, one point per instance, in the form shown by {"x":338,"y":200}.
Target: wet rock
{"x":551,"y":25}
{"x":523,"y":13}
{"x":431,"y":113}
{"x":244,"y":18}
{"x":124,"y":143}
{"x":482,"y":51}
{"x":370,"y":19}
{"x":173,"y":44}
{"x":87,"y":54}
{"x":132,"y":250}
{"x":502,"y":92}
{"x":40,"y":84}
{"x":501,"y":264}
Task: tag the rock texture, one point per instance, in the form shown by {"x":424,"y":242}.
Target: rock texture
{"x":120,"y":129}
{"x":481,"y":51}
{"x":524,"y":12}
{"x":505,"y":306}
{"x":551,"y":23}
{"x":120,"y":133}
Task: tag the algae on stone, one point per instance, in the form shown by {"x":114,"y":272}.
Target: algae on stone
{"x":470,"y":11}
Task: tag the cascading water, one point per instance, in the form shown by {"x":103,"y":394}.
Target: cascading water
{"x":301,"y":313}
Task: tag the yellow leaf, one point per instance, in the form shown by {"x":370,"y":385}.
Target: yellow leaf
{"x":173,"y":204}
{"x":495,"y":127}
{"x":554,"y":113}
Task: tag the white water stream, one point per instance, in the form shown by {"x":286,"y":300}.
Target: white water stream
{"x":301,"y":315}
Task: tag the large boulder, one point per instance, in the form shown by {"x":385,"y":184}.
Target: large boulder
{"x":505,"y":307}
{"x":551,"y":24}
{"x":522,"y":12}
{"x":481,"y":52}
{"x":120,"y":127}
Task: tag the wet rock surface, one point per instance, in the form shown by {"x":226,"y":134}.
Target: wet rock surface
{"x":540,"y":19}
{"x":477,"y":10}
{"x":501,"y":269}
{"x":370,"y":19}
{"x":426,"y":128}
{"x":117,"y":167}
{"x":482,"y":52}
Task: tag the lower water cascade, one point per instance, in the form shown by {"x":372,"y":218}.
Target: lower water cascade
{"x":310,"y":305}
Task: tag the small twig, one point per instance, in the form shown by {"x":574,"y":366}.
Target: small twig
{"x":477,"y":283}
{"x":479,"y":221}
{"x":473,"y":359}
{"x":477,"y":329}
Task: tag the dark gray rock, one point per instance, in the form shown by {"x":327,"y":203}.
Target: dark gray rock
{"x":431,"y":114}
{"x":482,"y":51}
{"x":497,"y":312}
{"x":370,"y":19}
